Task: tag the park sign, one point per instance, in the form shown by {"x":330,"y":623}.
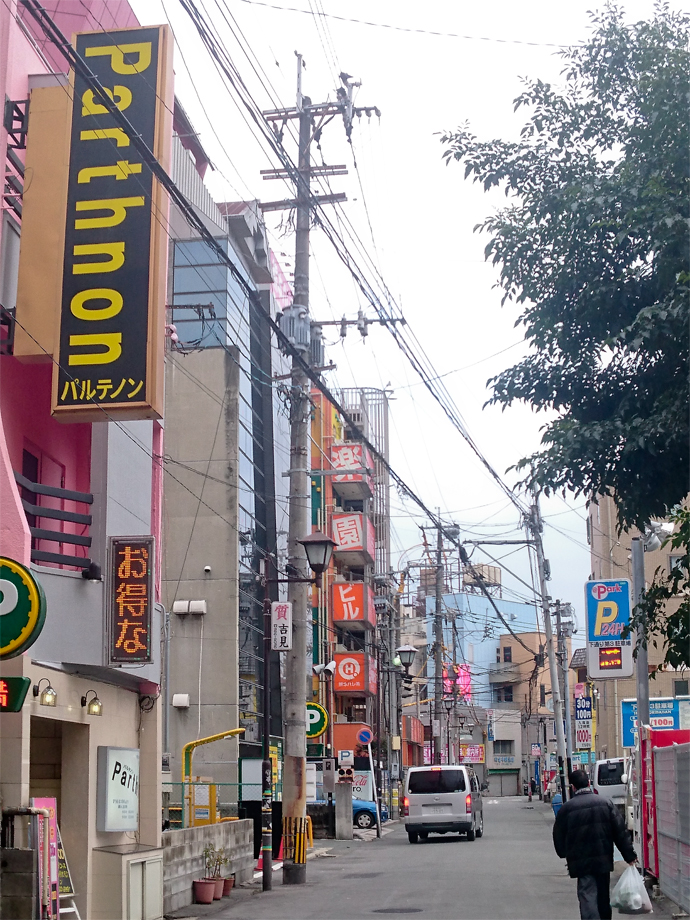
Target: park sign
{"x":317,"y":720}
{"x":22,"y":608}
{"x":112,"y":315}
{"x":608,"y":609}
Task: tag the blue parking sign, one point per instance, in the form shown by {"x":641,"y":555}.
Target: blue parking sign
{"x":608,"y":608}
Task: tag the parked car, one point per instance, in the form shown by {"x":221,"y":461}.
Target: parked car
{"x":364,"y":813}
{"x":442,"y":800}
{"x":610,"y":779}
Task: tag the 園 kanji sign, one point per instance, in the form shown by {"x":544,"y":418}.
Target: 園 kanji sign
{"x":22,"y":608}
{"x":131,"y":599}
{"x":281,"y":626}
{"x":111,"y":344}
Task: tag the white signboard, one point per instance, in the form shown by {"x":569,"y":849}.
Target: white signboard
{"x":346,"y":758}
{"x":311,"y":782}
{"x":363,"y":786}
{"x":118,"y":789}
{"x":281,"y":626}
{"x":583,"y":723}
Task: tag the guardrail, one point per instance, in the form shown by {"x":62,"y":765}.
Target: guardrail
{"x":196,"y":804}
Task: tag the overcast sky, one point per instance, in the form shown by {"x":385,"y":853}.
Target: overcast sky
{"x":414,"y":216}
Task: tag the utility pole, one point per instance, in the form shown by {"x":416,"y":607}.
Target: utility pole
{"x":438,"y":647}
{"x":295,"y":324}
{"x":536,"y":526}
{"x":563,"y":631}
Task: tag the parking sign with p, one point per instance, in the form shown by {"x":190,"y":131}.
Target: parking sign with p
{"x":608,"y":609}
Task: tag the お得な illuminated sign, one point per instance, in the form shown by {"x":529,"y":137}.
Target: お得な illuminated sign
{"x":131,"y":599}
{"x":112,"y":326}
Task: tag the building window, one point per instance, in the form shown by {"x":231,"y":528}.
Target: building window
{"x":542,"y":695}
{"x":498,"y":655}
{"x":582,"y":675}
{"x":504,"y":747}
{"x":680,"y":688}
{"x":504,"y":694}
{"x":508,"y":653}
{"x":675,"y":560}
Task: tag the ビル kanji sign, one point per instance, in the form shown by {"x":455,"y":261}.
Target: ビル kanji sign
{"x":131,"y":598}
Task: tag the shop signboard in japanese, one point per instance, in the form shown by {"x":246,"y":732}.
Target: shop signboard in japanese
{"x":117,"y":805}
{"x":583,"y":723}
{"x":349,"y":673}
{"x":608,"y":609}
{"x":111,"y":342}
{"x":355,"y":481}
{"x":354,"y":536}
{"x":22,"y":608}
{"x":281,"y":626}
{"x":664,"y":713}
{"x":131,"y":599}
{"x":471,"y":753}
{"x":353,"y":602}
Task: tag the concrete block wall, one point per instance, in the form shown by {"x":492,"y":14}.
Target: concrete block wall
{"x":183,"y":857}
{"x":18,"y":879}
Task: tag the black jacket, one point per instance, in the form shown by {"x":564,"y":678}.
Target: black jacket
{"x":585,"y":831}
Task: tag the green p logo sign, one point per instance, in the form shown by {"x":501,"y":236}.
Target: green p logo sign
{"x":317,"y":720}
{"x":22,"y":608}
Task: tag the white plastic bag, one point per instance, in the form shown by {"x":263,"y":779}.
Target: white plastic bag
{"x":630,"y":895}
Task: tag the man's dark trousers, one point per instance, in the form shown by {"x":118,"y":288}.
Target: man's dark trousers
{"x":593,"y":895}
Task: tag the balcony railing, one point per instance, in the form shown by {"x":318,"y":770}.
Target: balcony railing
{"x":504,"y":672}
{"x":39,"y":513}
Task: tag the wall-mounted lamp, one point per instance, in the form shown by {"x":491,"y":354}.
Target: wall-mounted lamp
{"x":92,"y":572}
{"x":94,"y":707}
{"x":47,"y":696}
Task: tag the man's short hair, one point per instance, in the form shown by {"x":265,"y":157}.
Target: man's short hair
{"x":579,"y":779}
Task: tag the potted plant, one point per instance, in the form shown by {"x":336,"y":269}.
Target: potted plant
{"x":204,"y":890}
{"x":212,"y":860}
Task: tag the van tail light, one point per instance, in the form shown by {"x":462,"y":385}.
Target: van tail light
{"x":468,"y":803}
{"x":405,"y":809}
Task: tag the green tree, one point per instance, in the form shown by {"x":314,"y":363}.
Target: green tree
{"x":593,"y":247}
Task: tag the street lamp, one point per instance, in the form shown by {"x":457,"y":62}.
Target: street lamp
{"x":406,"y":654}
{"x":448,"y":702}
{"x":319,"y":549}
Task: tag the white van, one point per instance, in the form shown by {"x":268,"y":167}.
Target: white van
{"x":442,"y":800}
{"x":610,"y":780}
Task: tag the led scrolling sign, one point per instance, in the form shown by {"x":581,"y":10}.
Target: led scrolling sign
{"x":131,"y":599}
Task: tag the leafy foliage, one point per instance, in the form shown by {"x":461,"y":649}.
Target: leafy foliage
{"x":594,"y":248}
{"x":665,"y":608}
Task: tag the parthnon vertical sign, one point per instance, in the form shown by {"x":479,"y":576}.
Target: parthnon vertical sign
{"x":111,"y":343}
{"x":281,"y":626}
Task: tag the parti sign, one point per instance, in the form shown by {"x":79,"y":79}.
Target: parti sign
{"x":608,"y":609}
{"x":118,"y":789}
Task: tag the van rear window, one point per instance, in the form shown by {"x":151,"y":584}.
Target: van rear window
{"x":424,"y":782}
{"x":610,"y":774}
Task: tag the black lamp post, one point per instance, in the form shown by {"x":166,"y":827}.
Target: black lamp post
{"x":406,"y":654}
{"x":448,"y":702}
{"x":319,"y":549}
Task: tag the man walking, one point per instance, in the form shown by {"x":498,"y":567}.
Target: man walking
{"x":584,"y":833}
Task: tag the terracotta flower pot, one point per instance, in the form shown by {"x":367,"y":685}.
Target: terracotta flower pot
{"x":204,"y":890}
{"x":218,"y":892}
{"x":227,"y":885}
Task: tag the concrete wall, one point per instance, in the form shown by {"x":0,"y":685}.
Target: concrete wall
{"x":200,"y":524}
{"x":18,"y":875}
{"x":183,"y":858}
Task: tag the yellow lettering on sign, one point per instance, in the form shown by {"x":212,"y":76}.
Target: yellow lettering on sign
{"x":116,"y":251}
{"x":114,"y":298}
{"x":117,"y":207}
{"x":607,"y":611}
{"x":121,"y":170}
{"x":102,"y":134}
{"x":117,"y":56}
{"x":111,"y":341}
{"x":120,"y":95}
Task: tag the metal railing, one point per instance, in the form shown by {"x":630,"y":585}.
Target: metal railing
{"x":198,"y":803}
{"x":35,"y":511}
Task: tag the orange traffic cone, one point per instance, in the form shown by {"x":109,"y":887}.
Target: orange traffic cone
{"x":260,"y":863}
{"x":280,"y":851}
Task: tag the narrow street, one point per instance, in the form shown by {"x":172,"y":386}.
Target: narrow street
{"x":512,"y":872}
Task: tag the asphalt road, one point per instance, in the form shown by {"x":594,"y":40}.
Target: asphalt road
{"x":511,"y":872}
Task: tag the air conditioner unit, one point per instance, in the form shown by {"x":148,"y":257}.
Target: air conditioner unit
{"x":183,"y":607}
{"x":180,"y":700}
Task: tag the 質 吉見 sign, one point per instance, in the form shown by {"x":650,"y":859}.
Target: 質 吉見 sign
{"x":281,"y":626}
{"x":111,"y":344}
{"x":118,"y":789}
